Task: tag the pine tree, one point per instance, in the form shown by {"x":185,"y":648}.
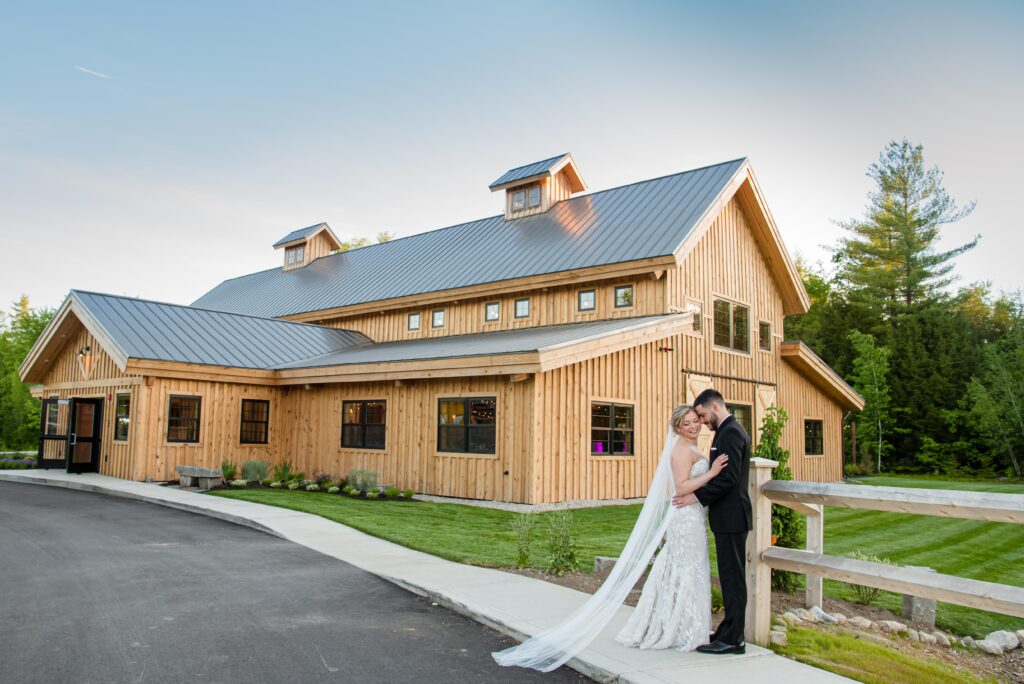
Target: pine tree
{"x":870,"y":379}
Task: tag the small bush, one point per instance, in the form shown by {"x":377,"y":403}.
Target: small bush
{"x":283,"y":471}
{"x":363,"y":480}
{"x":312,"y":487}
{"x":255,"y":470}
{"x":352,"y":491}
{"x":332,"y":490}
{"x":717,"y":603}
{"x":342,"y":483}
{"x":372,"y":494}
{"x":561,"y":543}
{"x":408,"y":493}
{"x":852,"y":470}
{"x":239,"y":483}
{"x":523,"y":525}
{"x":866,"y":595}
{"x":228,"y":469}
{"x":266,"y":482}
{"x":392,"y":492}
{"x":323,"y":478}
{"x":293,"y":486}
{"x":275,"y":485}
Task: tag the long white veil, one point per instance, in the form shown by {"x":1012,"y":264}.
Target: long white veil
{"x":553,"y":647}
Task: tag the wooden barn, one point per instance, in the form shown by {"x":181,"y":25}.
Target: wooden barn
{"x":533,"y":356}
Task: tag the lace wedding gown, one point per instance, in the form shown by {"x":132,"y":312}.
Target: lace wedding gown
{"x":674,"y":610}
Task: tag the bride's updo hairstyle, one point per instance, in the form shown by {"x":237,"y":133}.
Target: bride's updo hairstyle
{"x":676,"y":421}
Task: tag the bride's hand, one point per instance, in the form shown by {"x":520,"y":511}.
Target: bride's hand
{"x":719,"y":465}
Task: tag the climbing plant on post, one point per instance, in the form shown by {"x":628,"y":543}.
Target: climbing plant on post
{"x":787,"y":525}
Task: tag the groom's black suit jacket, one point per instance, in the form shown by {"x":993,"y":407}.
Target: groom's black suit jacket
{"x":726,"y":495}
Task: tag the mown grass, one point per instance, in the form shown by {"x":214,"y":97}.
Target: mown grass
{"x":847,"y":655}
{"x":992,"y":552}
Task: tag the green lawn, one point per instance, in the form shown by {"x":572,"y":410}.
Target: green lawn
{"x":469,"y":534}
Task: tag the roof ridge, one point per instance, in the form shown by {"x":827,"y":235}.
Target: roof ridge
{"x":539,"y":161}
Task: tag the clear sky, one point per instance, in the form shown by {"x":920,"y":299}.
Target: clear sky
{"x":155,"y":149}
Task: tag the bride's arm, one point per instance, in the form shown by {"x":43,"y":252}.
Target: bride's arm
{"x":688,"y":485}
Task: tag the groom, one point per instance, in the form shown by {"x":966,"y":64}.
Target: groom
{"x":730,"y":516}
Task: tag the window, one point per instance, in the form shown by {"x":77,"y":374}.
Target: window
{"x":295,"y":255}
{"x":183,"y":419}
{"x":744,"y":414}
{"x":732,"y":325}
{"x":698,"y":315}
{"x":586,"y":300}
{"x":255,"y":421}
{"x":437,"y":319}
{"x":623,"y":296}
{"x":363,"y":424}
{"x":518,"y":200}
{"x":522,"y":308}
{"x":466,"y":425}
{"x":764,"y":335}
{"x":414,"y":321}
{"x":814,"y":439}
{"x":611,"y":429}
{"x":122,"y":411}
{"x":492,"y":311}
{"x":534,"y":197}
{"x":52,"y":413}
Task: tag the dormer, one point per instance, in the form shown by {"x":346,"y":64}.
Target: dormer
{"x":536,"y":187}
{"x":304,"y":245}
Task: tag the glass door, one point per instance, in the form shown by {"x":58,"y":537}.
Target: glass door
{"x":85,"y":435}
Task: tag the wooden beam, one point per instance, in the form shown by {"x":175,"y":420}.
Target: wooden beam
{"x":519,"y":377}
{"x":1007,"y":508}
{"x":998,"y":598}
{"x":128,"y":381}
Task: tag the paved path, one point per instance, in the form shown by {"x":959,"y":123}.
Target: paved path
{"x":512,"y":604}
{"x":101,"y":589}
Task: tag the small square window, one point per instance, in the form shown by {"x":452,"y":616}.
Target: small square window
{"x":414,"y":321}
{"x":492,"y":311}
{"x":437,"y":319}
{"x":522,"y":308}
{"x":623,"y":296}
{"x":586,"y":300}
{"x":534,"y":197}
{"x":518,"y":200}
{"x":764,"y":335}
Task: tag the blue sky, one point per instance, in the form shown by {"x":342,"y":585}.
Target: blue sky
{"x":157,"y":149}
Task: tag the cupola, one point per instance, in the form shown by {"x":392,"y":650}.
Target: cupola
{"x":536,"y":187}
{"x":304,"y":245}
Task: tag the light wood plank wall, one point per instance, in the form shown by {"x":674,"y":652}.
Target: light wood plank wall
{"x":319,"y":246}
{"x":548,"y":306}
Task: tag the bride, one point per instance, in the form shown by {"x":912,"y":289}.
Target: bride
{"x":675,"y":606}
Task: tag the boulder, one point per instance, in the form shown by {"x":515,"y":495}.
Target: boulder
{"x":861,"y":622}
{"x":892,"y":627}
{"x":941,"y":639}
{"x":822,"y":616}
{"x":840,"y":618}
{"x":927,"y":638}
{"x":806,"y":615}
{"x":791,"y":618}
{"x":968,"y":642}
{"x":778,"y":638}
{"x":913,"y":634}
{"x":1007,"y":641}
{"x":603,"y":565}
{"x":990,"y":647}
{"x":1020,"y":637}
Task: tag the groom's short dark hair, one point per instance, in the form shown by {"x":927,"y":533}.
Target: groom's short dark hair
{"x":707,"y":396}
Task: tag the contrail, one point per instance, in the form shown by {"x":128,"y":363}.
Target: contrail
{"x":91,"y":72}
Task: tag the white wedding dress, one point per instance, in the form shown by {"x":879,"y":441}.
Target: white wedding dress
{"x":674,"y":610}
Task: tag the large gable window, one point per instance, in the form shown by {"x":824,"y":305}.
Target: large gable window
{"x":122,"y":409}
{"x":364,"y":424}
{"x":732,"y":325}
{"x":611,"y":429}
{"x":183,"y":414}
{"x":255,"y":421}
{"x":467,"y":425}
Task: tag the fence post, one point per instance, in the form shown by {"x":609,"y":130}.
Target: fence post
{"x":759,"y":575}
{"x":815,"y":544}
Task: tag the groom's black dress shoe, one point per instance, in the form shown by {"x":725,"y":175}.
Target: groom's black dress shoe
{"x":721,"y":648}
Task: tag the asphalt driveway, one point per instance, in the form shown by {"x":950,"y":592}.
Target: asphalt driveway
{"x":99,"y":589}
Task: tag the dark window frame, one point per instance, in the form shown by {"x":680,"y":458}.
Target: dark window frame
{"x":197,"y":421}
{"x":117,"y":416}
{"x":528,"y":307}
{"x":419,"y":321}
{"x":730,"y":406}
{"x":579,"y":300}
{"x":814,"y":444}
{"x":433,"y":318}
{"x":51,"y":402}
{"x":467,"y":426}
{"x":611,"y":430}
{"x":732,"y":333}
{"x":363,"y":424}
{"x":632,"y":296}
{"x":251,"y":422}
{"x":764,"y":339}
{"x":487,"y":312}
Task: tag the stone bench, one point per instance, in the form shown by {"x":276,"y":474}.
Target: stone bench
{"x":204,"y":478}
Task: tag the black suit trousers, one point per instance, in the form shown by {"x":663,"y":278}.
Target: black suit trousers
{"x":731,"y":548}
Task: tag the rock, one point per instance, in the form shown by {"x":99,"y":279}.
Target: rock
{"x":806,"y":615}
{"x":990,"y":647}
{"x":892,"y":627}
{"x":791,"y":618}
{"x":1020,"y":637}
{"x":913,"y":635}
{"x":968,"y":642}
{"x":927,"y":638}
{"x":840,"y":618}
{"x":1007,"y":641}
{"x":781,"y":626}
{"x":941,"y":639}
{"x":861,"y":622}
{"x":603,"y":565}
{"x":822,"y":616}
{"x":778,"y":638}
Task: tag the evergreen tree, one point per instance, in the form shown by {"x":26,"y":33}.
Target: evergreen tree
{"x":19,"y":412}
{"x":870,"y":379}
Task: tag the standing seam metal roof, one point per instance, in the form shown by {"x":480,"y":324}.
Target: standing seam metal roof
{"x":528,"y":170}
{"x":300,"y":233}
{"x":639,"y":221}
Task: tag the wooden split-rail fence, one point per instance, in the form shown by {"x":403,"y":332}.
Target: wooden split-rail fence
{"x":810,"y":498}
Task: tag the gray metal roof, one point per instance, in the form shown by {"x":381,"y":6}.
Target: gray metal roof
{"x":300,"y":233}
{"x":170,"y":332}
{"x":639,"y":221}
{"x":515,"y":341}
{"x":528,"y":170}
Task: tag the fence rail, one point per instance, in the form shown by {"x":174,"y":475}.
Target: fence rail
{"x":810,"y":498}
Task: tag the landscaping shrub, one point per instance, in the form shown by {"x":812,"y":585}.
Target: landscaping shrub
{"x":275,"y":484}
{"x":408,"y":493}
{"x":283,"y":471}
{"x":16,"y":463}
{"x":228,"y":469}
{"x":866,"y":595}
{"x":363,"y":480}
{"x":392,"y":492}
{"x":372,"y":494}
{"x":323,"y":478}
{"x":332,"y":490}
{"x":523,"y":525}
{"x":852,"y":470}
{"x":255,"y":470}
{"x":266,"y":482}
{"x":561,"y":543}
{"x":293,"y":486}
{"x":312,"y":487}
{"x":239,"y":483}
{"x":788,"y":526}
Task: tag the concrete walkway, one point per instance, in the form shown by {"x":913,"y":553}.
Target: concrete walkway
{"x":512,"y":604}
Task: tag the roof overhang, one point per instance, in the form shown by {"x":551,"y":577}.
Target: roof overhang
{"x":322,"y":228}
{"x":821,"y":375}
{"x":566,"y":163}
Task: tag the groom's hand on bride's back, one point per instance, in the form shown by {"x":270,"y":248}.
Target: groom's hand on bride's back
{"x":680,"y":500}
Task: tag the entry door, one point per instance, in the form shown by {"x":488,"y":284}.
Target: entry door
{"x":85,"y":433}
{"x":53,"y":438}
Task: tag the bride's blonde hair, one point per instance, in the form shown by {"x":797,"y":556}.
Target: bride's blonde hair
{"x":678,"y":413}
